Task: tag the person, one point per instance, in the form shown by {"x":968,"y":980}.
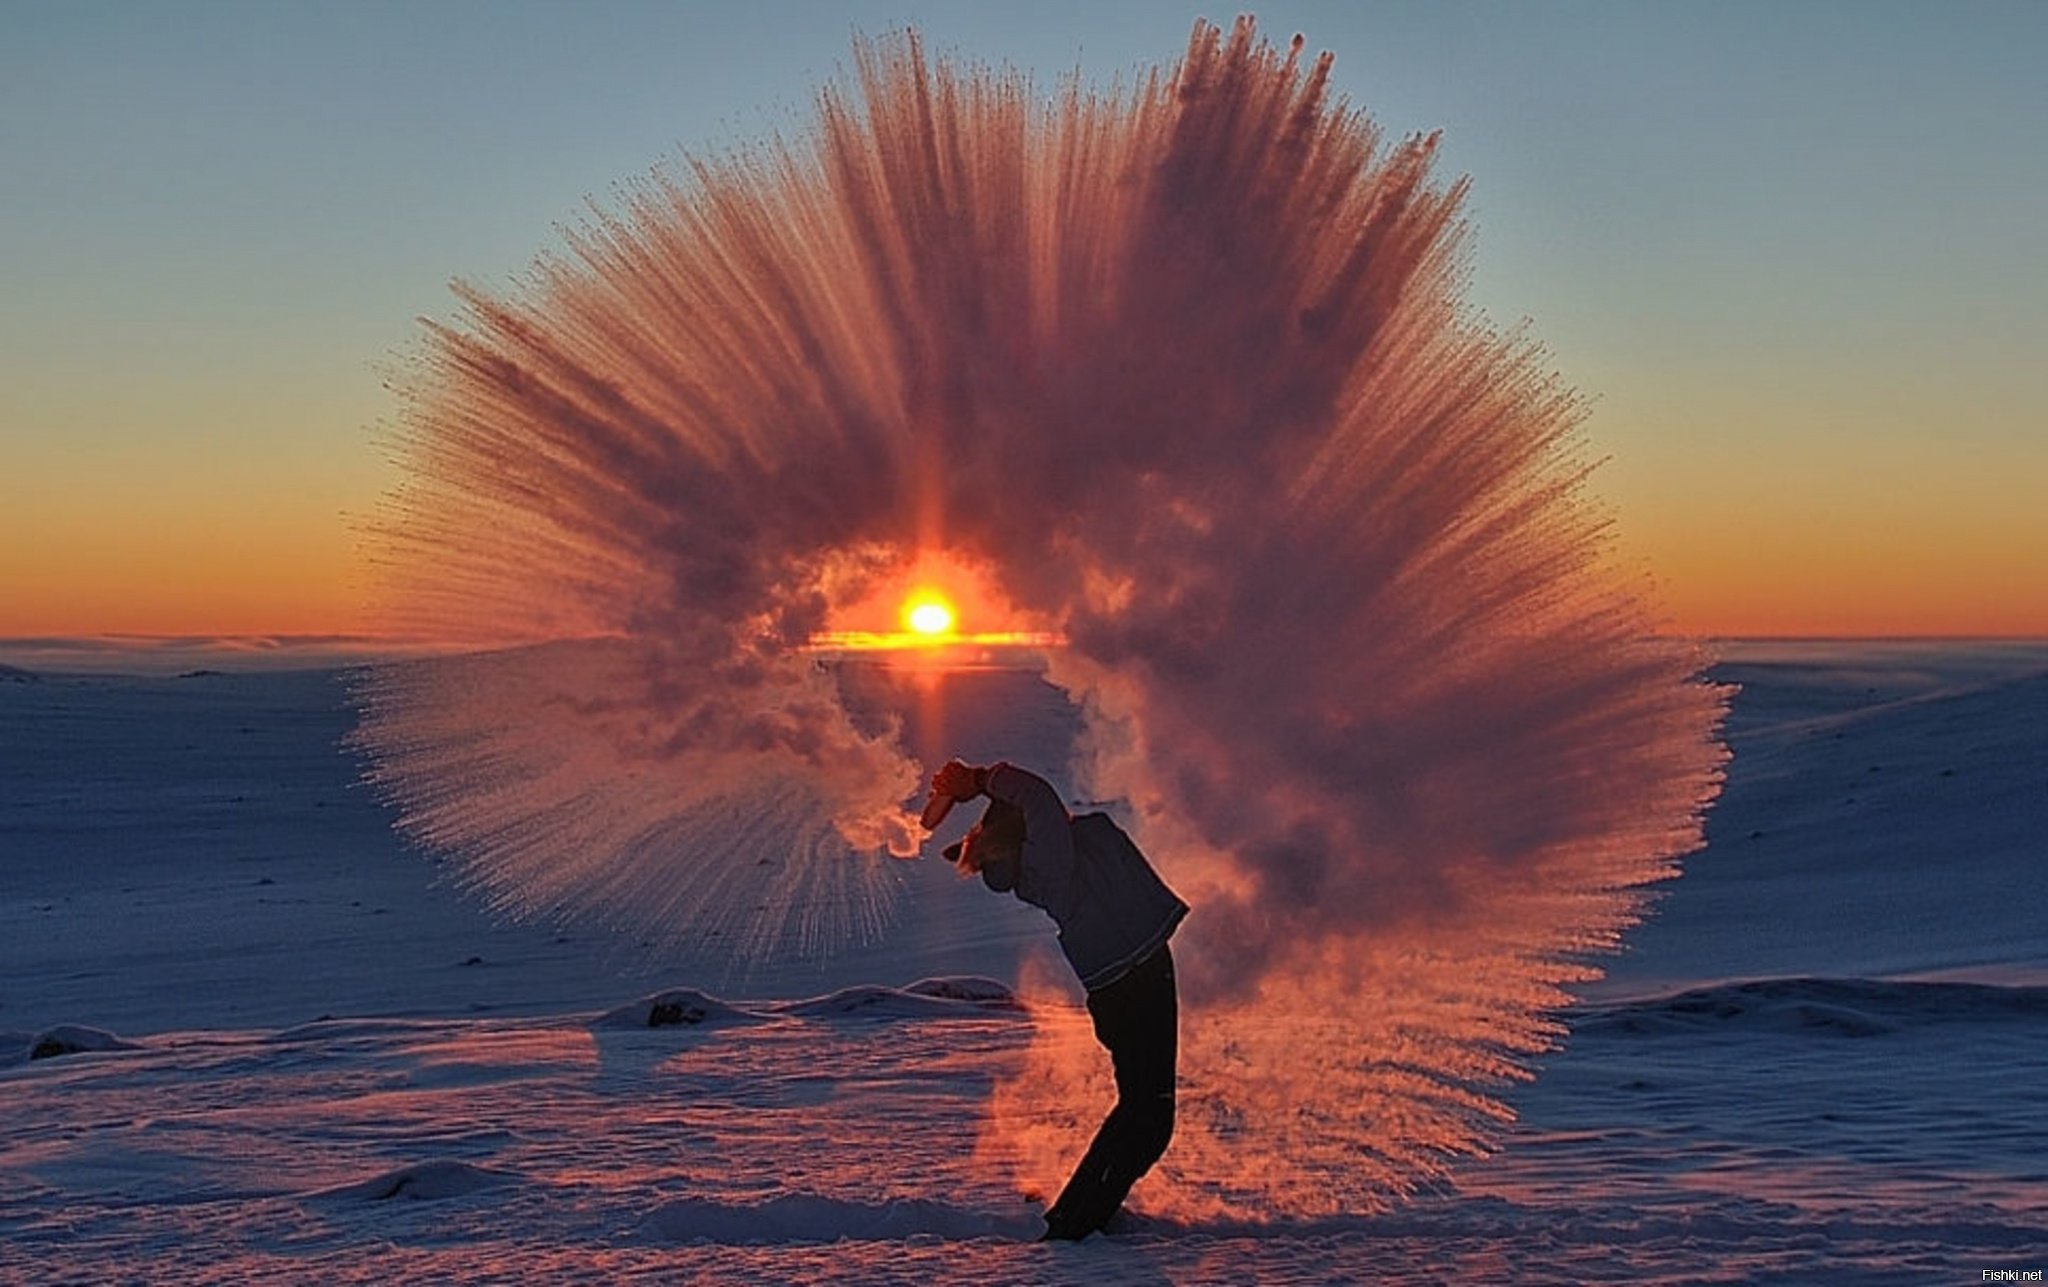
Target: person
{"x":1115,"y":916}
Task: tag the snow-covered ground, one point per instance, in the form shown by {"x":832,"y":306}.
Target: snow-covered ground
{"x":276,"y":1049}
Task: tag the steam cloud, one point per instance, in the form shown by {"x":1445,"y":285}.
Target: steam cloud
{"x":1186,"y":370}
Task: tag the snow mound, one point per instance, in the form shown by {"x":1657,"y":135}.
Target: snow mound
{"x":810,"y":1218}
{"x":949,"y":995}
{"x":925,"y":999}
{"x":968,"y":987}
{"x":675,"y":1008}
{"x":74,"y":1039}
{"x":1818,"y":1006}
{"x":422,"y":1182}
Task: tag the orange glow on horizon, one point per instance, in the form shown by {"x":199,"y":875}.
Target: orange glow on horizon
{"x":75,"y":572}
{"x":905,"y":640}
{"x":929,"y":605}
{"x":930,"y":624}
{"x":194,"y":592}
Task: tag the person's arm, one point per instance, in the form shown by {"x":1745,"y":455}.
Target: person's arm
{"x":1046,"y":866}
{"x":1045,"y":818}
{"x":1048,"y":851}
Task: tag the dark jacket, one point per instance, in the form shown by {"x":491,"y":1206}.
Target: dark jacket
{"x":1112,"y":909}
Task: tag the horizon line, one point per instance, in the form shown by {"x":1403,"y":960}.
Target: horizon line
{"x":144,"y":654}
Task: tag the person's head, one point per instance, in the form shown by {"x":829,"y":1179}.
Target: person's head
{"x":998,"y":836}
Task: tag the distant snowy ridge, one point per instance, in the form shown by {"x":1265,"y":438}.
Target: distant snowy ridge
{"x":947,"y":996}
{"x":926,"y":998}
{"x":1842,"y":1007}
{"x":955,"y":995}
{"x":1825,"y":1006}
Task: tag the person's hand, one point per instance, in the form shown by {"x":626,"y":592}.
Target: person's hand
{"x":958,"y":780}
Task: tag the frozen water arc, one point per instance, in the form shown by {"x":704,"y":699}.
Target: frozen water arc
{"x":1186,"y":373}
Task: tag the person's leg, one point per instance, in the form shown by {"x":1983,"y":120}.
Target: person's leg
{"x":1146,"y":1062}
{"x":1137,"y":1018}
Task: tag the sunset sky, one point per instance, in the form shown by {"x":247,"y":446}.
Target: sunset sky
{"x":1793,"y":251}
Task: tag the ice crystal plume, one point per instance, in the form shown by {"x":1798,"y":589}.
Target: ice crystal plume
{"x":1184,"y":369}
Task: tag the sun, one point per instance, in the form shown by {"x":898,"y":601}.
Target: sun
{"x":927,"y":614}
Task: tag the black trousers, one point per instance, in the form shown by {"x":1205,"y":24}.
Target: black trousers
{"x":1138,"y":1019}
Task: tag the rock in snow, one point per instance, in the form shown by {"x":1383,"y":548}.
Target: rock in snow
{"x":674,"y":1008}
